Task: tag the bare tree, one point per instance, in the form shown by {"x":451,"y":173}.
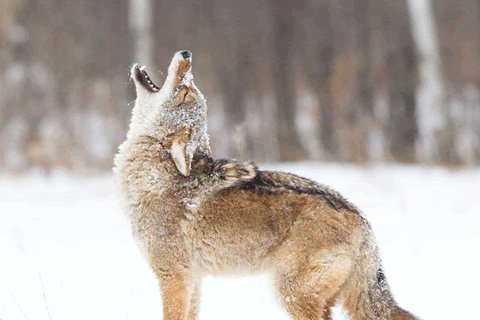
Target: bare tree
{"x":458,"y":28}
{"x":430,"y":93}
{"x":285,"y":22}
{"x":141,"y":21}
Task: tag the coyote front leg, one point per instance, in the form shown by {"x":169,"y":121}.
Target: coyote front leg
{"x":192,"y":312}
{"x":178,"y":293}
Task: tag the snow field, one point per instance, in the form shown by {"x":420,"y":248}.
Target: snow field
{"x":66,"y":251}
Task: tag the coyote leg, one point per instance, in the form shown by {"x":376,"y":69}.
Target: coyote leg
{"x":327,"y":312}
{"x":310,"y":289}
{"x":194,"y":302}
{"x":176,"y":291}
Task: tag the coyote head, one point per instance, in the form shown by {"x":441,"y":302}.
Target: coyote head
{"x":175,"y":114}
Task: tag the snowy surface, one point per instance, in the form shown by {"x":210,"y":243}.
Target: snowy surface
{"x":66,"y":251}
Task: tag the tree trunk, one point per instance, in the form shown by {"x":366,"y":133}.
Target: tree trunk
{"x":140,"y":22}
{"x":285,"y":19}
{"x":430,"y":97}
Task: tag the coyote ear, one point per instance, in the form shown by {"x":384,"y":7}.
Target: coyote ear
{"x":177,"y":143}
{"x":180,"y":158}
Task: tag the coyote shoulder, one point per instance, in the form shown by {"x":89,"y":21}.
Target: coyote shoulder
{"x":193,"y":215}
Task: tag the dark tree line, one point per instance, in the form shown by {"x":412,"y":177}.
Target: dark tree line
{"x":312,"y":79}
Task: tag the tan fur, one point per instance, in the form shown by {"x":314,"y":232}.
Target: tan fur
{"x":220,"y":217}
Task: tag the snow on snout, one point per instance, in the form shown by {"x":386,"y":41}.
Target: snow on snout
{"x":187,"y":79}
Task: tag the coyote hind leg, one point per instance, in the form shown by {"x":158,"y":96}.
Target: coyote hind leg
{"x":309,"y":290}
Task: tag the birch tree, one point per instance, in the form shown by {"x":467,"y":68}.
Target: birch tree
{"x":430,"y":106}
{"x":140,"y":22}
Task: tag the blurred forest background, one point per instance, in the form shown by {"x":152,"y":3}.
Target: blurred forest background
{"x":331,"y":80}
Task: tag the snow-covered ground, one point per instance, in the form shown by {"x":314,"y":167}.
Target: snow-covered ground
{"x":66,"y":251}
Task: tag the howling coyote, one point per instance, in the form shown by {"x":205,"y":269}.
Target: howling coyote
{"x":192,"y":215}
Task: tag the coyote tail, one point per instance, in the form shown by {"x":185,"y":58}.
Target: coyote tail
{"x":366,"y":293}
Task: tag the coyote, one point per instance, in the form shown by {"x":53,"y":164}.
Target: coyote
{"x":192,"y":215}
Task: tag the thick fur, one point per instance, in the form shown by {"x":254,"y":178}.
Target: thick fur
{"x":193,"y":215}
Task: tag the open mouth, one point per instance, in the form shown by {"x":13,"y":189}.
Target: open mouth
{"x":142,"y":76}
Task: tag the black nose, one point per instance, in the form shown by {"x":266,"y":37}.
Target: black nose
{"x":186,"y":54}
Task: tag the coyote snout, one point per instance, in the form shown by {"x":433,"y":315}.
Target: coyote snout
{"x":179,"y":77}
{"x":193,"y":215}
{"x":186,"y":54}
